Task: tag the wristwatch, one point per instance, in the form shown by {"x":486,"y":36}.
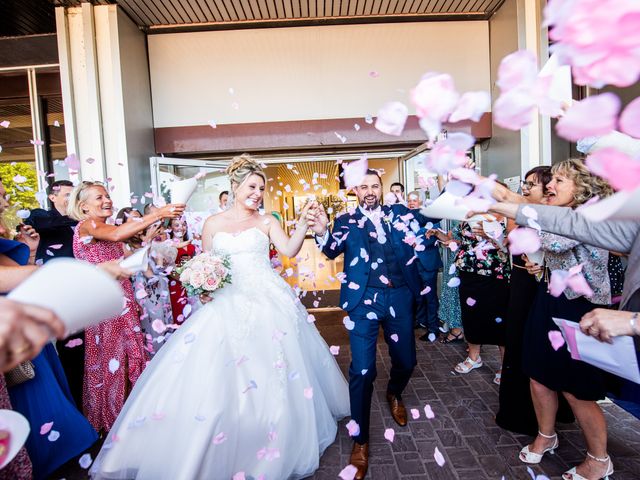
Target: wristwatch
{"x":635,"y":328}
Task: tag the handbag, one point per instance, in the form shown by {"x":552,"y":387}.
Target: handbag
{"x":21,"y":373}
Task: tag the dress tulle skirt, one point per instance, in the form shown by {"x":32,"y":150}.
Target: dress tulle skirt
{"x":247,"y":384}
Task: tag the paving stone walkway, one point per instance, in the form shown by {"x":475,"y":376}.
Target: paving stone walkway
{"x":463,"y":428}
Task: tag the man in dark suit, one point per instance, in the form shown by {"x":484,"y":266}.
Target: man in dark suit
{"x":54,"y":226}
{"x":379,"y":289}
{"x":429,"y":263}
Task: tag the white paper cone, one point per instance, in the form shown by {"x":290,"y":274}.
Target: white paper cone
{"x":18,"y":428}
{"x":182,"y":190}
{"x":536,"y":257}
{"x":138,"y":261}
{"x":446,"y":206}
{"x":78,"y":292}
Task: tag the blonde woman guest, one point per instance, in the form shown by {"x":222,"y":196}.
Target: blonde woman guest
{"x":115,"y":355}
{"x":555,"y":372}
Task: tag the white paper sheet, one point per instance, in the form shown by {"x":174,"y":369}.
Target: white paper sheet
{"x":81,"y":294}
{"x":619,"y":206}
{"x":182,"y":190}
{"x":446,"y":206}
{"x":137,"y":261}
{"x":618,"y":357}
{"x":18,"y":428}
{"x":561,"y":84}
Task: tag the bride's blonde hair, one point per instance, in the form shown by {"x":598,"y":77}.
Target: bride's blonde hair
{"x":242,"y":167}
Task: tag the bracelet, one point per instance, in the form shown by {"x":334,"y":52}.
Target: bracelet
{"x":634,"y":326}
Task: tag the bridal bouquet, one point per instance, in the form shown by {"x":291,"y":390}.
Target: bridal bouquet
{"x":205,"y":273}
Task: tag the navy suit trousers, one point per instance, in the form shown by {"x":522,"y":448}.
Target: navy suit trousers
{"x":393,"y":310}
{"x":427,"y":305}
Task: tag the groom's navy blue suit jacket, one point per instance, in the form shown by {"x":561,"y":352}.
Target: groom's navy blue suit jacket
{"x":348,"y":238}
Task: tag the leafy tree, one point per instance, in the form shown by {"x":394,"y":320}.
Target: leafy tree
{"x":21,"y":195}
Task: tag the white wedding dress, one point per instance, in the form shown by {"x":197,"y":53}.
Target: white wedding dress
{"x":246,"y":384}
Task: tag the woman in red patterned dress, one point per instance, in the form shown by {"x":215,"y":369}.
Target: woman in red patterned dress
{"x":186,"y":251}
{"x":115,"y":355}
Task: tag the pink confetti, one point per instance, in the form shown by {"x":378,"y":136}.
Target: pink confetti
{"x":389,"y":434}
{"x":311,"y":318}
{"x":53,"y":435}
{"x":335,"y":350}
{"x":46,"y":428}
{"x":438,"y":457}
{"x":158,"y":326}
{"x":308,"y":393}
{"x":394,"y":337}
{"x":114,"y":365}
{"x":598,"y":38}
{"x":76,"y":342}
{"x":453,"y":282}
{"x":428,"y":412}
{"x":556,"y":339}
{"x":601,"y":110}
{"x":374,"y":74}
{"x":353,"y":428}
{"x":85,"y":461}
{"x":348,"y":472}
{"x":354,"y":172}
{"x":353,"y":286}
{"x":19,"y":179}
{"x":435,"y":98}
{"x":573,"y":279}
{"x":5,"y":123}
{"x":37,"y":143}
{"x":620,"y":170}
{"x":239,"y":476}
{"x":415,"y":413}
{"x":348,"y":323}
{"x":470,"y":301}
{"x":471,"y":106}
{"x":523,"y":240}
{"x":392,"y":117}
{"x":219,"y":438}
{"x":630,"y":119}
{"x":426,"y":290}
{"x":450,"y":153}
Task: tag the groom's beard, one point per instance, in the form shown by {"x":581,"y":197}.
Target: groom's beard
{"x":369,"y":204}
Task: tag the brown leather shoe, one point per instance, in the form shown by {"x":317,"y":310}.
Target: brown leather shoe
{"x":398,"y":412}
{"x":360,"y":459}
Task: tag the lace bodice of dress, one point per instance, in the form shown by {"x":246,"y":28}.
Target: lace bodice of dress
{"x":249,"y":254}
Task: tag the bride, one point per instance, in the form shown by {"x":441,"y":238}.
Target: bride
{"x":247,"y":387}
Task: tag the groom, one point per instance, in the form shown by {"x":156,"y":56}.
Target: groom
{"x":379,"y":288}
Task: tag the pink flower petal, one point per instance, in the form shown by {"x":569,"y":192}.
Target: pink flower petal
{"x":556,"y":339}
{"x":471,"y":302}
{"x":219,"y":438}
{"x":85,"y":461}
{"x":453,"y":282}
{"x":517,"y":69}
{"x":558,"y":282}
{"x":426,"y":290}
{"x":335,"y":350}
{"x":514,"y":109}
{"x":353,"y":428}
{"x":114,"y":365}
{"x":308,"y":393}
{"x":438,"y":457}
{"x":435,"y":96}
{"x":389,"y":434}
{"x":76,"y":342}
{"x":620,"y":170}
{"x":428,"y":412}
{"x":394,"y":337}
{"x":392,"y":118}
{"x":630,"y":119}
{"x":471,"y":106}
{"x":601,"y":111}
{"x":45,"y":428}
{"x":523,"y":240}
{"x":348,"y":472}
{"x":5,"y":123}
{"x":415,"y":413}
{"x":355,"y":171}
{"x":158,"y":326}
{"x":348,"y":323}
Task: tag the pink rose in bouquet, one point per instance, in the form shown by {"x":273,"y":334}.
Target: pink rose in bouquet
{"x":205,"y":273}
